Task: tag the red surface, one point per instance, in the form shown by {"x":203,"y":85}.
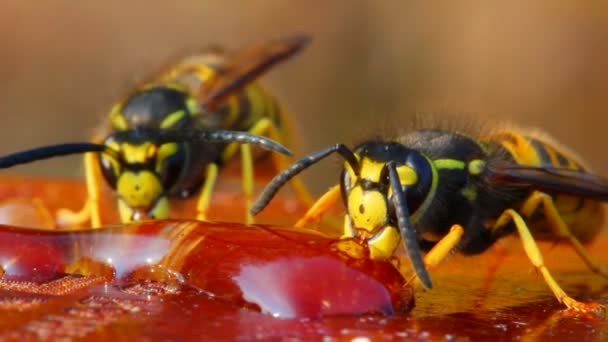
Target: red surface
{"x":181,"y":279}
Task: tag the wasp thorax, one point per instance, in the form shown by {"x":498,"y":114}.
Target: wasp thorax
{"x":159,"y":106}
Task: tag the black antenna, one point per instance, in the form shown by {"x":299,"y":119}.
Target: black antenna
{"x":408,"y":234}
{"x":161,"y":136}
{"x":51,"y":151}
{"x":298,"y":166}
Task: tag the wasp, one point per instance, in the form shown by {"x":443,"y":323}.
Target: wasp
{"x":439,"y":190}
{"x":159,"y":143}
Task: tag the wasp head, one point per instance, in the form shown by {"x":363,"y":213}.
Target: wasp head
{"x":366,"y":186}
{"x":142,"y":173}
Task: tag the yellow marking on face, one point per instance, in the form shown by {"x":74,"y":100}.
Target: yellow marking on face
{"x":172,"y":119}
{"x":371,"y":169}
{"x":164,"y":151}
{"x":476,"y":166}
{"x":151,"y":151}
{"x":367,"y":209}
{"x":407,"y":175}
{"x":450,"y":164}
{"x":113,"y":162}
{"x":117,"y":119}
{"x":113,"y":145}
{"x":137,"y":153}
{"x":383,"y":245}
{"x":138,"y":190}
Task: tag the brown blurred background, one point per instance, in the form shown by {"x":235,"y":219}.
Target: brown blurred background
{"x":545,"y":64}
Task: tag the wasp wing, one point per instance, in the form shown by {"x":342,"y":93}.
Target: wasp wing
{"x":245,"y":65}
{"x":559,"y":180}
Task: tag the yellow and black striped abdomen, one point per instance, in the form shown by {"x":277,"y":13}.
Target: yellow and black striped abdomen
{"x":583,"y":216}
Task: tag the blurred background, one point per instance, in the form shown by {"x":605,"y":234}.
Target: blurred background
{"x":371,"y":64}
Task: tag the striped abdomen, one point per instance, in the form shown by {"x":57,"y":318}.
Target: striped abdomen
{"x":583,"y":216}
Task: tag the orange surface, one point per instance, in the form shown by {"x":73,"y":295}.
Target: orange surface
{"x":178,"y":279}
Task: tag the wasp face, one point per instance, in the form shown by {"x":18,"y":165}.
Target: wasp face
{"x":367,"y":192}
{"x":142,"y":176}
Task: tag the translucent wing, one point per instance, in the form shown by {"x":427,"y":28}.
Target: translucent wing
{"x":247,"y":64}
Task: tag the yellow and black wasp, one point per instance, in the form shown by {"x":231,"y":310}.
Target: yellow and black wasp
{"x":169,"y":137}
{"x":435,"y":190}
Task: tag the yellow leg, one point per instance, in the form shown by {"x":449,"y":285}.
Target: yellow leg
{"x":267,"y":127}
{"x":66,"y":217}
{"x":559,"y":227}
{"x":320,"y":207}
{"x":247,"y":173}
{"x":205,"y":195}
{"x":536,"y":258}
{"x":441,"y":249}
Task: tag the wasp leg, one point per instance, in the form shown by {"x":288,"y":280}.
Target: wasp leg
{"x":441,"y":249}
{"x":66,"y":217}
{"x":559,"y":227}
{"x":267,"y":127}
{"x":205,"y":196}
{"x":320,"y":207}
{"x":536,"y":258}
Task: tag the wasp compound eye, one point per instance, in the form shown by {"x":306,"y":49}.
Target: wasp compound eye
{"x":110,"y":169}
{"x":170,"y":163}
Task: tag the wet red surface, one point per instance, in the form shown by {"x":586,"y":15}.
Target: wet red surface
{"x":181,"y":279}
